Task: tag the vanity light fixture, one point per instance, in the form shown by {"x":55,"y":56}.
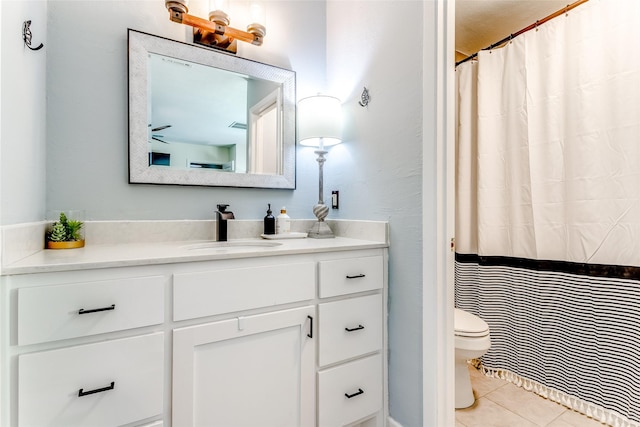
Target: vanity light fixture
{"x":320,"y":125}
{"x":216,"y":31}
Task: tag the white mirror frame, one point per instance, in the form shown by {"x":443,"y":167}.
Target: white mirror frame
{"x":140,"y":172}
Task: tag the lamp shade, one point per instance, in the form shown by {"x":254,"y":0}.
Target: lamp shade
{"x":320,"y":121}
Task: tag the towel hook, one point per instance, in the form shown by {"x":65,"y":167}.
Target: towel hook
{"x":26,"y":36}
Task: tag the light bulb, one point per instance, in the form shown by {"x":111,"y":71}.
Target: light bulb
{"x":257,"y":17}
{"x":222,"y":5}
{"x":218,"y":11}
{"x":257,"y":13}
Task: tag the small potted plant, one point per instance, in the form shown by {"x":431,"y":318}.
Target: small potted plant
{"x":65,"y":233}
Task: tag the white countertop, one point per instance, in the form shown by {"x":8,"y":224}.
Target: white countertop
{"x":133,"y":254}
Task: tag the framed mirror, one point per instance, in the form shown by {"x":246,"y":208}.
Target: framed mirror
{"x":208,"y":118}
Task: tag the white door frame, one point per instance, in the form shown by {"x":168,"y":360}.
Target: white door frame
{"x":445,"y":184}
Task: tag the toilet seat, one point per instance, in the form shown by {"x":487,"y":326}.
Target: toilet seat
{"x":469,"y":325}
{"x":471,"y":341}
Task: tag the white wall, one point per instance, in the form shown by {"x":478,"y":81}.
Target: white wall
{"x":87,"y":108}
{"x":378,"y":169}
{"x":22,"y":113}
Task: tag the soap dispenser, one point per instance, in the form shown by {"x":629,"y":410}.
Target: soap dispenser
{"x":283,"y":222}
{"x":269,"y":222}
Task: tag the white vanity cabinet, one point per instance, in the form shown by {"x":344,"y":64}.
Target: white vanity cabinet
{"x":249,"y":371}
{"x":287,"y":340}
{"x":81,"y":349}
{"x":70,"y":310}
{"x":351,"y":370}
{"x":252,"y":369}
{"x":102,"y":384}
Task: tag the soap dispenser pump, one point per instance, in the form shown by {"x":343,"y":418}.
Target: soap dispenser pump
{"x":269,"y":222}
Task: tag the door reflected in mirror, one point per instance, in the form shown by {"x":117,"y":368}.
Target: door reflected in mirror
{"x":209,"y":118}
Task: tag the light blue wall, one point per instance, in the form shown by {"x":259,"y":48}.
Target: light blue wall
{"x":22,"y":113}
{"x":378,"y":169}
{"x":87,"y":109}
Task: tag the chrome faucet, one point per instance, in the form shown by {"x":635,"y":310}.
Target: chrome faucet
{"x":222,"y":215}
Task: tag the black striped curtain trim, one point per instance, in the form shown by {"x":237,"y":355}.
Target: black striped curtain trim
{"x":579,"y":268}
{"x":576,"y":334}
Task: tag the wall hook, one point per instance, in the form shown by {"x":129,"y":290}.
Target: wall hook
{"x":364,"y":98}
{"x":26,"y":36}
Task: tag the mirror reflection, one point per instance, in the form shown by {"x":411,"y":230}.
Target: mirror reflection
{"x":200,"y":117}
{"x":208,"y":134}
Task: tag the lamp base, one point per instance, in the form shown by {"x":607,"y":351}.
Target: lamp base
{"x":320,"y":230}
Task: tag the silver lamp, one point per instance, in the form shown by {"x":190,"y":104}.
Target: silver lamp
{"x":320,"y":125}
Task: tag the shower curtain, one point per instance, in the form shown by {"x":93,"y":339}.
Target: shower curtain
{"x":548,"y":207}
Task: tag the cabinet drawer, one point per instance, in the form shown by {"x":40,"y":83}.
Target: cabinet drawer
{"x":104,"y":384}
{"x":225,"y":291}
{"x":350,"y":328}
{"x":50,"y":313}
{"x":346,"y":276}
{"x":350,"y":392}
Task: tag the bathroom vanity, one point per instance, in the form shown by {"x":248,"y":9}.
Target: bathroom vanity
{"x":193,"y":333}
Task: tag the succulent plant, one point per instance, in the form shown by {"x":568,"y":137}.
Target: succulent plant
{"x":57,"y":233}
{"x":65,"y":230}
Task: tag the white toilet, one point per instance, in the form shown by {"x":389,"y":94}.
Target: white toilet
{"x":472,"y":340}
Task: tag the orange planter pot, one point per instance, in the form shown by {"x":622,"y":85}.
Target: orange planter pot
{"x":66,"y":245}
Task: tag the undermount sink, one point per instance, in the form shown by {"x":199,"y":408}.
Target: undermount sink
{"x":230,"y":245}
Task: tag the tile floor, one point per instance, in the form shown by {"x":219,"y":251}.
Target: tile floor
{"x":500,"y":403}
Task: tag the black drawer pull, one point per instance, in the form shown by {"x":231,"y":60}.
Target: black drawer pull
{"x":95,"y":310}
{"x":354,"y":329}
{"x":357,"y":393}
{"x":357,"y":276}
{"x":310,"y":334}
{"x":81,"y":392}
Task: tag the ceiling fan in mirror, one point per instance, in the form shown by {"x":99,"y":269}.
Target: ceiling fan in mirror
{"x":157,"y":136}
